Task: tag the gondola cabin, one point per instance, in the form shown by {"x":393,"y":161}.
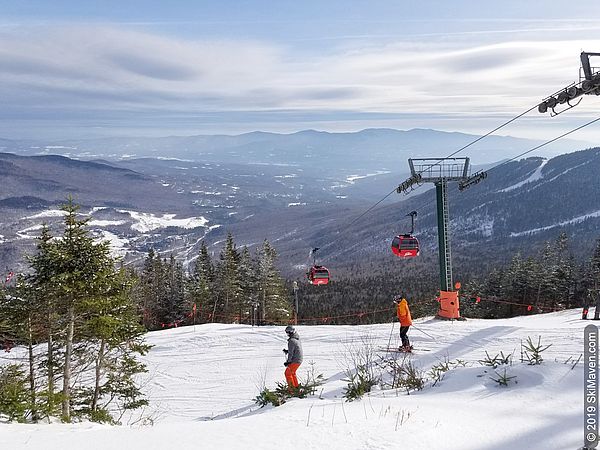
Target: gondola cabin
{"x":405,"y":246}
{"x":318,"y":275}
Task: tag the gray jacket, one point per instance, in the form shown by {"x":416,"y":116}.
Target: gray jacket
{"x":294,"y":349}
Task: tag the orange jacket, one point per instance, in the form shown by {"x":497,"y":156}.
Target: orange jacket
{"x":403,"y":313}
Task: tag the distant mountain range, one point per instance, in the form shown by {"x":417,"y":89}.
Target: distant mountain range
{"x":299,"y":191}
{"x":312,"y":150}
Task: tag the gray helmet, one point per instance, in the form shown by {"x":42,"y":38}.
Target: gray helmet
{"x":290,"y":329}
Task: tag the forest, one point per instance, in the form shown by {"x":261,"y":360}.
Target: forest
{"x":81,"y":314}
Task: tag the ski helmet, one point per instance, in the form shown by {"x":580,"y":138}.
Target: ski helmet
{"x":290,"y":329}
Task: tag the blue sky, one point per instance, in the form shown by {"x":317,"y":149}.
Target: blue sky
{"x":72,"y":69}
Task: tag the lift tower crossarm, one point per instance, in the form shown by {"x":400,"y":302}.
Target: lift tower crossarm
{"x":408,"y":185}
{"x":585,"y":64}
{"x":588,"y":84}
{"x":473,"y":179}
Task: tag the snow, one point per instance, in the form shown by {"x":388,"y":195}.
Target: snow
{"x":105,"y":223}
{"x":202,"y":381}
{"x":146,"y":222}
{"x":536,"y":175}
{"x":207,"y":192}
{"x":96,"y":209}
{"x":577,"y":219}
{"x":47,"y":213}
{"x":565,"y":172}
{"x":352,"y":178}
{"x":118,"y":246}
{"x":25,"y":233}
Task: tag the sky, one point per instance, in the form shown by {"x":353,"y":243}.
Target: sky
{"x":72,"y":69}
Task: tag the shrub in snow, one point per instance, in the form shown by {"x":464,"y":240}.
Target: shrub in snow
{"x":404,"y":374}
{"x":267,"y":396}
{"x":503,"y":379}
{"x":359,"y":383}
{"x":533,"y":352}
{"x":283,"y":392}
{"x":499,"y":360}
{"x":411,"y":377}
{"x":438,"y":371}
{"x":361,"y":368}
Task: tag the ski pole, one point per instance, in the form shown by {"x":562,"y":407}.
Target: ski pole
{"x":391,"y":333}
{"x":426,"y":334}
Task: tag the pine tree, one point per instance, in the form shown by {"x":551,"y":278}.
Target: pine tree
{"x":90,"y":300}
{"x":201,"y":283}
{"x":547,"y":287}
{"x":173,"y":302}
{"x":113,"y":326}
{"x":249,"y":286}
{"x":38,"y":291}
{"x":564,"y":272}
{"x":20,"y":321}
{"x":593,"y":281}
{"x":230,"y":290}
{"x":148,"y":289}
{"x":275,"y":304}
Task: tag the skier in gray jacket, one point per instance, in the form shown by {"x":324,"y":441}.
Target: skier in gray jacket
{"x":294,"y":356}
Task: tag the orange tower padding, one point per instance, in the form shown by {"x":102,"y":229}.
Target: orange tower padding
{"x":449,"y":307}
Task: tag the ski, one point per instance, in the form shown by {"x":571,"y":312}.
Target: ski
{"x":397,"y":350}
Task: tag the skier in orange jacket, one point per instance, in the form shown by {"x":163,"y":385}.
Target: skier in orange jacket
{"x":403,"y":313}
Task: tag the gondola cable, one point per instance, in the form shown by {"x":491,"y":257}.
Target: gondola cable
{"x":591,"y":122}
{"x":356,"y":219}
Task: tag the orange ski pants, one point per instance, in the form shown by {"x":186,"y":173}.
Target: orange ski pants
{"x":290,"y":374}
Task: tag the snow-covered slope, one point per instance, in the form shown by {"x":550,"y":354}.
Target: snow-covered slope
{"x":202,"y":381}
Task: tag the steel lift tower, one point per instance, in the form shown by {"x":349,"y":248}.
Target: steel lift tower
{"x":441,"y":171}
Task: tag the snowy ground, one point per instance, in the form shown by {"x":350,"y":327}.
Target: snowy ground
{"x":202,"y":381}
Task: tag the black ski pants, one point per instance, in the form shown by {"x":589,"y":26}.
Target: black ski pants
{"x":404,"y":337}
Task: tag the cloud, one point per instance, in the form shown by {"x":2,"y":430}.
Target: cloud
{"x":106,"y":72}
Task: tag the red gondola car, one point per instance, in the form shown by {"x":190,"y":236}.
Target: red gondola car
{"x":405,"y":246}
{"x":318,"y":275}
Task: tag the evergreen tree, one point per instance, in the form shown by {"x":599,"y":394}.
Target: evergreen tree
{"x":201,"y":283}
{"x":113,"y":326}
{"x":275,"y":304}
{"x":564,"y":273}
{"x":20,"y":320}
{"x":148,"y":289}
{"x":249,"y":286}
{"x":591,"y":287}
{"x":230,"y":291}
{"x":173,"y":303}
{"x":161,"y":292}
{"x":75,"y":278}
{"x":38,"y":292}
